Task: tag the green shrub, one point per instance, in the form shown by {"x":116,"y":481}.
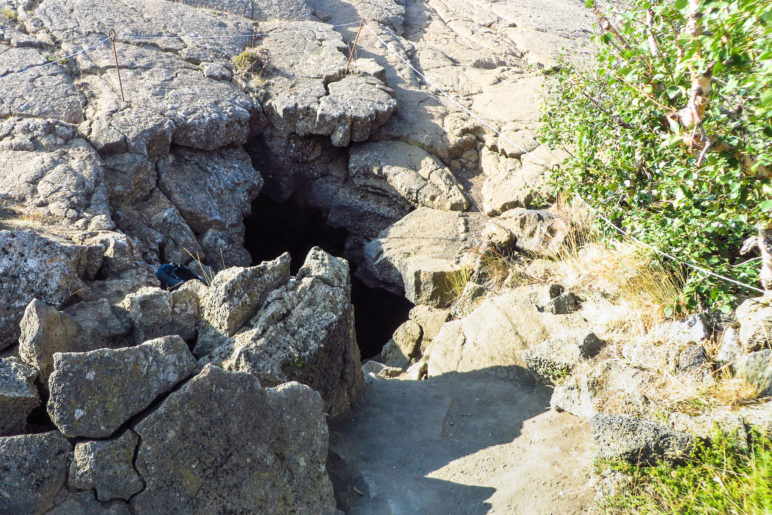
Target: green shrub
{"x":720,"y":477}
{"x":653,"y":176}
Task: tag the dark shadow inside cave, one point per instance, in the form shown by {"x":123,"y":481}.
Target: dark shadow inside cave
{"x":294,"y":227}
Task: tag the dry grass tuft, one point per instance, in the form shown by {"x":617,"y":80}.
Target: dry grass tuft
{"x":626,"y":289}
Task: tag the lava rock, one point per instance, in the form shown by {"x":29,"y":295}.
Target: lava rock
{"x":222,"y":442}
{"x":44,"y":331}
{"x":304,"y":332}
{"x":755,"y":318}
{"x":552,"y":360}
{"x":156,"y":312}
{"x":236,"y":293}
{"x":93,"y":393}
{"x":692,"y":358}
{"x":35,"y":266}
{"x":106,"y":466}
{"x":636,"y":440}
{"x":18,"y":395}
{"x":756,"y":369}
{"x":34,"y":468}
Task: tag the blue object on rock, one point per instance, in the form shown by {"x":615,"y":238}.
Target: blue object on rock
{"x":172,"y":276}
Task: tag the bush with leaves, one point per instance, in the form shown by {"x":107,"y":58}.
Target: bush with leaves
{"x":669,"y":132}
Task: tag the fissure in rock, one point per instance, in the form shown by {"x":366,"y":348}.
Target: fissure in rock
{"x":294,"y":227}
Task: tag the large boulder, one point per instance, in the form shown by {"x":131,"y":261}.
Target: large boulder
{"x":499,"y":331}
{"x":755,"y":318}
{"x":51,"y":174}
{"x":306,"y":91}
{"x":34,"y":468}
{"x":399,"y":169}
{"x":44,"y":331}
{"x":94,"y":393}
{"x":421,"y":254}
{"x":304,"y":331}
{"x":18,"y":395}
{"x":637,"y":440}
{"x":537,"y":232}
{"x":236,"y":293}
{"x":223,"y":443}
{"x":756,"y":369}
{"x":35,"y":266}
{"x":106,"y":466}
{"x":155,"y":312}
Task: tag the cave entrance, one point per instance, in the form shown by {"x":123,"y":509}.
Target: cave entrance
{"x":293,"y":226}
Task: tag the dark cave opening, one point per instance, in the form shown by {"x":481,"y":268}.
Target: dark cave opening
{"x":294,"y":227}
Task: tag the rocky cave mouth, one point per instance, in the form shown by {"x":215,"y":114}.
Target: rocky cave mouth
{"x":295,"y":227}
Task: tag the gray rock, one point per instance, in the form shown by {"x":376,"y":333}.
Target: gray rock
{"x":306,"y":91}
{"x":211,"y":190}
{"x":637,"y":440}
{"x":471,"y":297}
{"x":564,"y":304}
{"x":93,"y":393}
{"x":34,"y":469}
{"x":692,"y":358}
{"x":34,"y":266}
{"x":552,"y":360}
{"x":693,"y":329}
{"x":404,"y":345}
{"x":203,"y":450}
{"x":236,"y":294}
{"x":510,"y":185}
{"x":100,"y":324}
{"x":421,"y":254}
{"x":730,"y":349}
{"x":84,"y":503}
{"x":755,"y":317}
{"x":260,"y":10}
{"x":537,"y":232}
{"x":498,"y":331}
{"x":106,"y":465}
{"x":304,"y":331}
{"x":51,"y":175}
{"x":756,"y":369}
{"x":609,"y":383}
{"x":399,"y":169}
{"x":18,"y":395}
{"x":155,"y":312}
{"x":430,"y":320}
{"x":393,"y":357}
{"x":41,"y":92}
{"x":705,"y":426}
{"x":44,"y":331}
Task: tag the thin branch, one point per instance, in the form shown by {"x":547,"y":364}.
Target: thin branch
{"x":614,"y":117}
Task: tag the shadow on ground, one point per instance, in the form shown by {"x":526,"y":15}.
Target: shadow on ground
{"x":401,"y":431}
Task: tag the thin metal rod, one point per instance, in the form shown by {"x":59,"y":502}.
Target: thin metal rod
{"x":354,"y":48}
{"x":111,"y":35}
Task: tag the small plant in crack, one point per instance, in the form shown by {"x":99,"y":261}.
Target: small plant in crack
{"x":252,"y":61}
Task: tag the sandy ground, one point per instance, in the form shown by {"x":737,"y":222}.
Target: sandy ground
{"x":466,"y":443}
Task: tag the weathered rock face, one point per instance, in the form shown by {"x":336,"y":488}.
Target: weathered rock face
{"x":261,"y":10}
{"x":755,"y":317}
{"x":18,"y":395}
{"x":34,"y":469}
{"x":420,"y":254}
{"x":34,"y":266}
{"x":45,"y":331}
{"x":756,"y":369}
{"x":397,"y":168}
{"x":537,"y":232}
{"x":93,"y":393}
{"x":236,"y":293}
{"x":221,"y":442}
{"x":50,"y":173}
{"x":212,"y":192}
{"x":500,"y":330}
{"x":106,"y":466}
{"x":636,"y":440}
{"x":303,"y":332}
{"x":155,"y":312}
{"x":306,"y":91}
